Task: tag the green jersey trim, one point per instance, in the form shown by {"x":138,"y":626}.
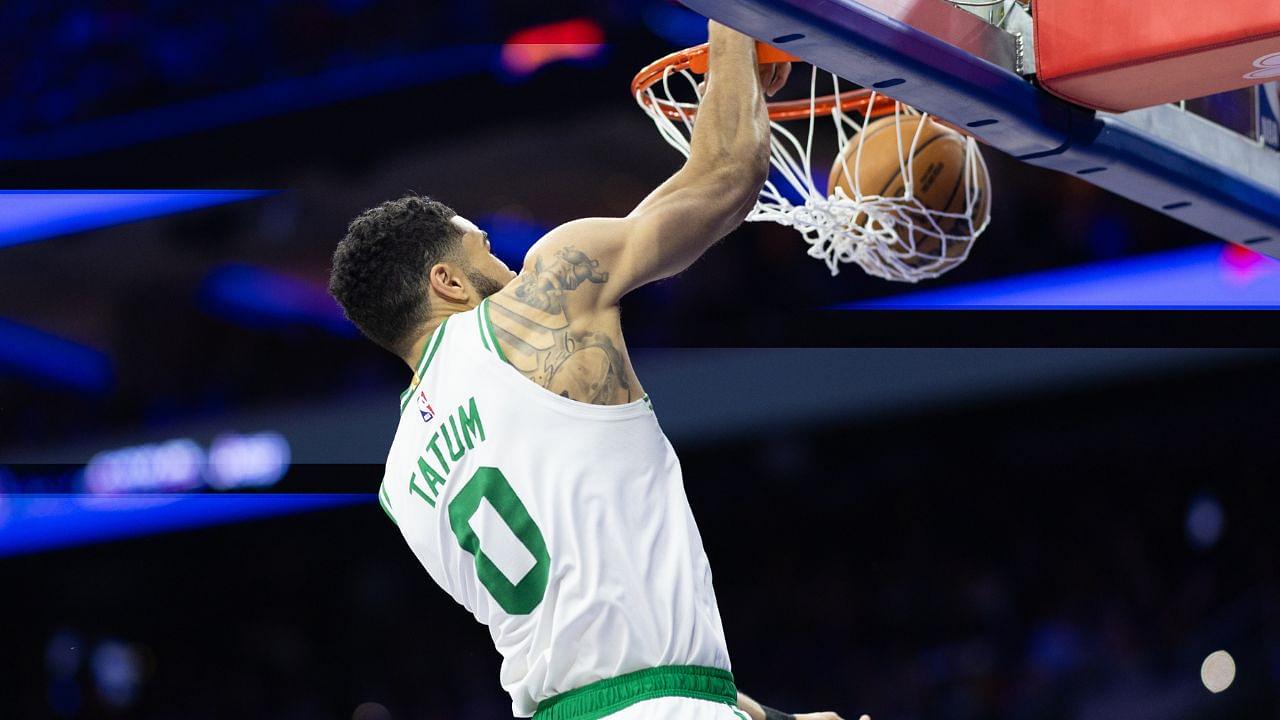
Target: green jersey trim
{"x":605,"y":697}
{"x":384,"y":501}
{"x":487,"y":336}
{"x":487,"y":324}
{"x":428,"y":352}
{"x":484,"y":340}
{"x":434,"y":344}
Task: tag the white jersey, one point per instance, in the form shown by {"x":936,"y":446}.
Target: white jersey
{"x":562,"y":526}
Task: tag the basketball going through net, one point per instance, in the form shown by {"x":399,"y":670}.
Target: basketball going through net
{"x":906,"y":195}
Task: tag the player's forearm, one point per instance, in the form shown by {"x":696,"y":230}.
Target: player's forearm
{"x":715,"y":190}
{"x":750,"y":707}
{"x":729,"y":151}
{"x":731,"y":131}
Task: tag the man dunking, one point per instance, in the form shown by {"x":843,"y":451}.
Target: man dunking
{"x":554,"y":510}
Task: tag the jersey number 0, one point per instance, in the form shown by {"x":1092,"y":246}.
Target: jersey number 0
{"x":488,"y":483}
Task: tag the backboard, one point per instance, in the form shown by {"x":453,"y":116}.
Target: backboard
{"x":1212,"y":163}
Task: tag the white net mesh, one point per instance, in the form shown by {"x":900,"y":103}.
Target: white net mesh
{"x":889,"y":234}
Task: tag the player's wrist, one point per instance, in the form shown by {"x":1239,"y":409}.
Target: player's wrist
{"x":723,"y":36}
{"x":771,"y":714}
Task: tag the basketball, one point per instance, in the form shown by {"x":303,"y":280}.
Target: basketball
{"x":938,"y":169}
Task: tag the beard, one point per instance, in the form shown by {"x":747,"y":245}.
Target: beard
{"x":484,"y":284}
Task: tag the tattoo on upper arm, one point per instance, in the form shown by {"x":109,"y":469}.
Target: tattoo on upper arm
{"x":533,"y":322}
{"x":544,"y":289}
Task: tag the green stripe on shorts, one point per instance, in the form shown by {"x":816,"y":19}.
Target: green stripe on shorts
{"x":605,"y":697}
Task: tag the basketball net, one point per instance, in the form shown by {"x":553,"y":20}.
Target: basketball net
{"x":892,"y":237}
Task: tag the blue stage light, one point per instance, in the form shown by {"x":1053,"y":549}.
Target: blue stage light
{"x":49,"y":358}
{"x":256,"y":297}
{"x":35,"y":523}
{"x":1212,"y":277}
{"x":27,"y":215}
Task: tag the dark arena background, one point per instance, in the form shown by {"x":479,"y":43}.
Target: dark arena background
{"x":914,"y":508}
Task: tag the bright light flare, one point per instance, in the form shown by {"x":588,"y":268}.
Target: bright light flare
{"x":530,"y":49}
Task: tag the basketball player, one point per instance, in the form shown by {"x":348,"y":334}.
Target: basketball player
{"x":528,"y":473}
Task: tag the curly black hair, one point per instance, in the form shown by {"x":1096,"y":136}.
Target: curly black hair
{"x":380,"y":268}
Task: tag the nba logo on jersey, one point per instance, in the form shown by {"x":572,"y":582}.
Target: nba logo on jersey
{"x":424,"y":407}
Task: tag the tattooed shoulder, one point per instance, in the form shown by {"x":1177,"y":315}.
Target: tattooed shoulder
{"x":534,"y":322}
{"x":545,"y":287}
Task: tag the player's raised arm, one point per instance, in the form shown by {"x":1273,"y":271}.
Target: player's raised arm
{"x":704,"y":201}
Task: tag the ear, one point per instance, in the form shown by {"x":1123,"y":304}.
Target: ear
{"x":446,"y":281}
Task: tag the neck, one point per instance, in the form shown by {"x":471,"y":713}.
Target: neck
{"x":415,"y":351}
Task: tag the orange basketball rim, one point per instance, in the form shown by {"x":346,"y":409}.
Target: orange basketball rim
{"x":695,"y":59}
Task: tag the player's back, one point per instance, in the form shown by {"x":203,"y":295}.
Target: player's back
{"x":563,"y":526}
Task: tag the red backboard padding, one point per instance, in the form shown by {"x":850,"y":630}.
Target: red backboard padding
{"x":1121,"y":55}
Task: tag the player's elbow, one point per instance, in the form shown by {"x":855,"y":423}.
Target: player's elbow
{"x":751,"y":163}
{"x":738,"y":167}
{"x":748,"y":192}
{"x":756,"y":172}
{"x":739,"y":181}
